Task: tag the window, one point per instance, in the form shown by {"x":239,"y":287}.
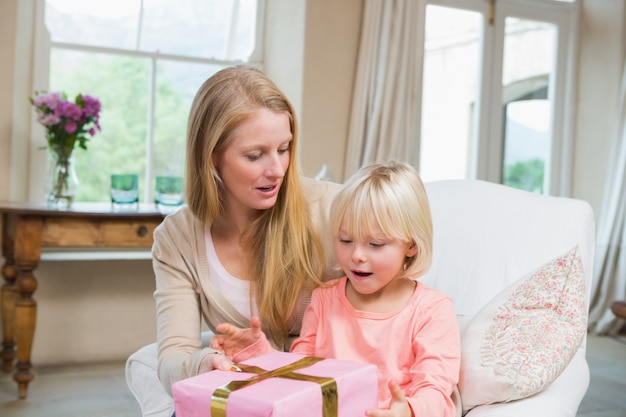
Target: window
{"x":495,"y":92}
{"x":144,"y":60}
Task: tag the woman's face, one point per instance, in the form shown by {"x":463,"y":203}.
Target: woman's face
{"x":255,"y":161}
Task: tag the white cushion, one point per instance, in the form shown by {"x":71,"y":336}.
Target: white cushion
{"x":487,"y":235}
{"x":524,"y":337}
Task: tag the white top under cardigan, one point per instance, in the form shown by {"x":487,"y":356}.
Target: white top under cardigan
{"x":185,"y":293}
{"x":235,"y":290}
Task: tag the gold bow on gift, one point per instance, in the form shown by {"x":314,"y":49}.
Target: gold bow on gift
{"x":330,"y":404}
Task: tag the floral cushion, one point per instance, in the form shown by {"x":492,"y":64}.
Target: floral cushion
{"x":524,"y":337}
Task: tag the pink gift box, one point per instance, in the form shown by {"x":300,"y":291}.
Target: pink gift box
{"x":274,"y":390}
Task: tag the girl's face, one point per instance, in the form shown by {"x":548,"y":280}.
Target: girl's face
{"x":255,"y":161}
{"x":372,"y":263}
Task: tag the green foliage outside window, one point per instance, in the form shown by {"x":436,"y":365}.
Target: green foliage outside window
{"x":525,"y":175}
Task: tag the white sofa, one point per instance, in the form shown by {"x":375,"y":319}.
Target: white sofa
{"x":489,"y":239}
{"x":486,"y":238}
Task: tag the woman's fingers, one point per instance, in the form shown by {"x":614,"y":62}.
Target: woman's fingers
{"x":222,"y":362}
{"x":227,"y":328}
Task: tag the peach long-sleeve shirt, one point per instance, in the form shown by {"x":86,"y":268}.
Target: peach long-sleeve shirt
{"x":418,"y":345}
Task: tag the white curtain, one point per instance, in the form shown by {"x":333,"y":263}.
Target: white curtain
{"x":386,"y":106}
{"x":610,"y":257}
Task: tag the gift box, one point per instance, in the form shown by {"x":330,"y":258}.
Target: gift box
{"x":280,"y":384}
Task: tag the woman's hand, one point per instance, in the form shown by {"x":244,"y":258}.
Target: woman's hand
{"x":233,"y":340}
{"x":399,"y":406}
{"x":213,"y":361}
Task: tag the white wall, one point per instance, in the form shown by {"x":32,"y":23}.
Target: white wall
{"x":93,"y":311}
{"x":8,"y":10}
{"x":284,"y":51}
{"x":311,"y":53}
{"x":600,"y":66}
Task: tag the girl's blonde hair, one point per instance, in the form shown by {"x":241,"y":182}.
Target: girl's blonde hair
{"x":389,"y":199}
{"x":287,"y":255}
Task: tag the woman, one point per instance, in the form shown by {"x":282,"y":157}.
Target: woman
{"x":248,"y":242}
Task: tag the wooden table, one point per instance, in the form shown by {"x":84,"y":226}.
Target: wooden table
{"x":26,"y":229}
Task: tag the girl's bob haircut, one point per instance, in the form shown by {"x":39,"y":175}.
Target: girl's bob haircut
{"x":387,"y":198}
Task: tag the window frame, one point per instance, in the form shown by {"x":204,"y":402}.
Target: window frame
{"x":487,"y":149}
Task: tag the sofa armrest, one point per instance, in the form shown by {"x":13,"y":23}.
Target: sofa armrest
{"x":559,"y":399}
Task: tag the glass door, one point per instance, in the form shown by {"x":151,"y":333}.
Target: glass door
{"x":494,"y":92}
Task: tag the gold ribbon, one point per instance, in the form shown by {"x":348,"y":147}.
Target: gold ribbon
{"x":330,"y":405}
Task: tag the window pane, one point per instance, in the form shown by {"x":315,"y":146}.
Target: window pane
{"x":177,"y":84}
{"x":451,"y":65}
{"x":527,"y":139}
{"x":220,"y":29}
{"x":121,"y":85}
{"x":111,"y":23}
{"x":529,"y":50}
{"x":217,"y":29}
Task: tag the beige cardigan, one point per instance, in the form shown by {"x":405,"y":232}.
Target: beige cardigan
{"x":184,"y":291}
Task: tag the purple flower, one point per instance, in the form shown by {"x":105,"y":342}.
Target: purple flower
{"x":70,"y":126}
{"x":50,"y":100}
{"x":67,"y":122}
{"x":91,"y":106}
{"x":69,"y":110}
{"x":50,"y":119}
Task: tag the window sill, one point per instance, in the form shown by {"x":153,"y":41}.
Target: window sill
{"x":106,"y":254}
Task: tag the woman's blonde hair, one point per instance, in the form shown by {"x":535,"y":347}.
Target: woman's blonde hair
{"x":387,"y":198}
{"x":287,"y":255}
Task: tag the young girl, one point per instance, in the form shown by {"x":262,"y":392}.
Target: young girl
{"x":378,"y":312}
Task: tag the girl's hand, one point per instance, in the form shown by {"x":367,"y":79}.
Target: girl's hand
{"x":399,"y":406}
{"x":233,"y":340}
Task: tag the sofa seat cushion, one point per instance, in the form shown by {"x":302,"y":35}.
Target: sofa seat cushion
{"x":523,"y":339}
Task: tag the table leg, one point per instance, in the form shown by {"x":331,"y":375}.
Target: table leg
{"x":27,"y":254}
{"x":8,"y":297}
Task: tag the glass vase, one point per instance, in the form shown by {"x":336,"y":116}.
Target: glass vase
{"x":62,"y":180}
